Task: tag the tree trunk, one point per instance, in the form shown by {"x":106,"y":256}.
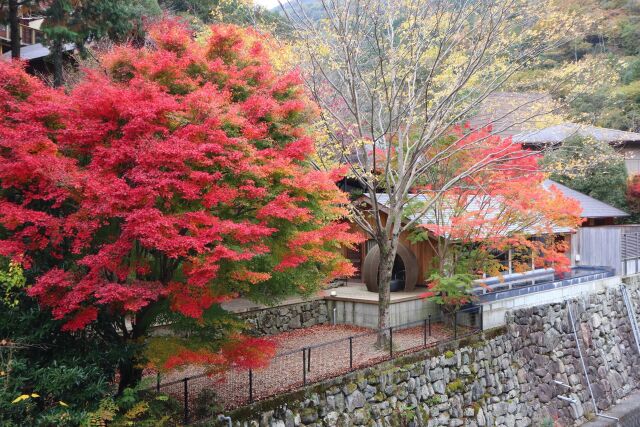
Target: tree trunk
{"x":387,"y":257}
{"x":130,"y":368}
{"x":56,"y":54}
{"x":130,"y":374}
{"x":14,"y":28}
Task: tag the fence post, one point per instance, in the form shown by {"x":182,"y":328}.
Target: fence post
{"x":455,"y":326}
{"x":250,"y":385}
{"x":186,"y":400}
{"x":304,"y":366}
{"x":481,"y":318}
{"x":424,"y":333}
{"x":391,"y":341}
{"x":350,"y":353}
{"x":429,"y":325}
{"x":158,"y":383}
{"x":309,"y":359}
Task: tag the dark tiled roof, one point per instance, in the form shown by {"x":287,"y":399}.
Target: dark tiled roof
{"x":35,"y":51}
{"x":591,"y":208}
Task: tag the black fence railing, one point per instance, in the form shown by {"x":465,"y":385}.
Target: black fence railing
{"x":202,"y":395}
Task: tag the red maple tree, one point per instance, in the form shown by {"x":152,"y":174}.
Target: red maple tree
{"x":503,"y":202}
{"x":170,"y":179}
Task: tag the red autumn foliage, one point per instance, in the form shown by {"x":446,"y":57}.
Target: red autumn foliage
{"x":502,"y":200}
{"x":633,"y":193}
{"x":174,"y":174}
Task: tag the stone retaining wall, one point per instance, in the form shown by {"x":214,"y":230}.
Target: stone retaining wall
{"x":503,"y":380}
{"x":284,"y":318}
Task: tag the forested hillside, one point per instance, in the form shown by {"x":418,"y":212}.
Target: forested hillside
{"x":598,"y":75}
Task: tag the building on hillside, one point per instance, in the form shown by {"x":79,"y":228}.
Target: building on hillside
{"x":415,"y":260}
{"x":535,"y":120}
{"x":36,"y":57}
{"x":30,"y":29}
{"x":33,"y":49}
{"x":626,"y":143}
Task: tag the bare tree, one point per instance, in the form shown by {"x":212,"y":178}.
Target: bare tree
{"x":393,"y":77}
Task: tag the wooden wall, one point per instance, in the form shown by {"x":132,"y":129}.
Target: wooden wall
{"x":598,"y":246}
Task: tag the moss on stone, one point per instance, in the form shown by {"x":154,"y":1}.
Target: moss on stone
{"x":433,"y":400}
{"x":350,"y":388}
{"x":379,"y":397}
{"x":373,"y":379}
{"x":455,"y":386}
{"x":308,"y":415}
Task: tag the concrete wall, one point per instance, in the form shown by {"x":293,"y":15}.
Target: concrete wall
{"x":494,"y":313}
{"x":366,"y":313}
{"x":505,"y":380}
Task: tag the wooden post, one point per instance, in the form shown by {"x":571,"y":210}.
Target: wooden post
{"x":533,"y":264}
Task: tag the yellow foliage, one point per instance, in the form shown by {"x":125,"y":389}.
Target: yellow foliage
{"x":20,"y":398}
{"x":137,"y":410}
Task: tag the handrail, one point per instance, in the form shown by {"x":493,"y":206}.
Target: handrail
{"x":631,"y":314}
{"x":584,"y":366}
{"x":498,"y":291}
{"x":33,"y":33}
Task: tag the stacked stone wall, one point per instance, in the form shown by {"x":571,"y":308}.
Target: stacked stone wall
{"x":284,"y":318}
{"x":504,"y":379}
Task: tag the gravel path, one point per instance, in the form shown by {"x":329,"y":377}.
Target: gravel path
{"x":329,"y":357}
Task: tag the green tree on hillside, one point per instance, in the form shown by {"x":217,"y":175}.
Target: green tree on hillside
{"x":591,"y":167}
{"x":605,"y":61}
{"x":239,"y":12}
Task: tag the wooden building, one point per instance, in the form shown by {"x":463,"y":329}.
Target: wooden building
{"x":422,"y":253}
{"x":30,"y":32}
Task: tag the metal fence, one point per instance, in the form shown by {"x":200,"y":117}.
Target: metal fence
{"x":291,"y":370}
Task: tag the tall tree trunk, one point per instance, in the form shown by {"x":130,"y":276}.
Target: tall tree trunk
{"x":14,"y":27}
{"x":388,"y":251}
{"x":56,"y":54}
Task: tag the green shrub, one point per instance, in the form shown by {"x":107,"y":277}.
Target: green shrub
{"x":63,"y":375}
{"x":135,"y":407}
{"x":433,"y":400}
